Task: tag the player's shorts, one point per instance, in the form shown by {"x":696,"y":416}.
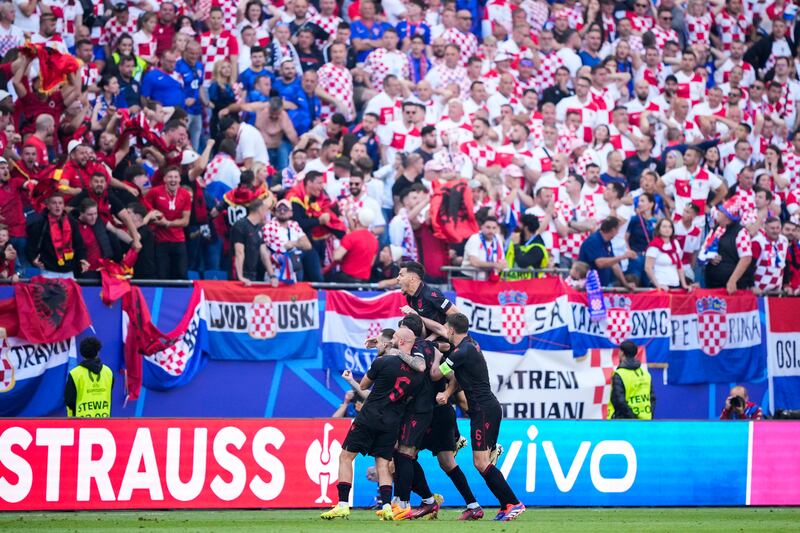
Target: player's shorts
{"x":413,"y":428}
{"x":366,"y":440}
{"x":442,"y":434}
{"x":484,"y":426}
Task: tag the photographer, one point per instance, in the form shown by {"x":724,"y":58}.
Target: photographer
{"x":739,"y":407}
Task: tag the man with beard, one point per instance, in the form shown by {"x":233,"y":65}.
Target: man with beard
{"x":358,"y":198}
{"x":108,"y":205}
{"x":429,"y":303}
{"x":375,"y":428}
{"x":479,"y":151}
{"x":81,"y":166}
{"x":428,"y":425}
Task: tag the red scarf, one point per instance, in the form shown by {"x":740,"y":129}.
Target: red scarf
{"x":61,"y":235}
{"x":659,"y":243}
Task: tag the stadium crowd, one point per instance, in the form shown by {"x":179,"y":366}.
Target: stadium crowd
{"x":325,"y":140}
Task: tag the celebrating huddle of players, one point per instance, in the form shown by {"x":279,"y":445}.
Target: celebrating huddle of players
{"x":408,"y":409}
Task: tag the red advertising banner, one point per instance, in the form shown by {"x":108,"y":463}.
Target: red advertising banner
{"x":168,"y":464}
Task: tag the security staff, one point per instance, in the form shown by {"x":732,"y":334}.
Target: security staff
{"x":631,"y":387}
{"x":88,"y":390}
{"x":529,"y":252}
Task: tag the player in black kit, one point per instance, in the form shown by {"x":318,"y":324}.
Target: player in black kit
{"x":374,"y":430}
{"x":418,"y":431}
{"x":467,"y":364}
{"x":428,"y":303}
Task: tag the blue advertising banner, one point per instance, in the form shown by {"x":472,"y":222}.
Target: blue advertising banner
{"x":596,"y":463}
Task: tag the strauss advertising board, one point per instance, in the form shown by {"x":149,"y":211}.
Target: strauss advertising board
{"x":281,"y":463}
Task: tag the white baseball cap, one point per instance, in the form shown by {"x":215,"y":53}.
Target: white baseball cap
{"x":74,"y":143}
{"x":189,"y":156}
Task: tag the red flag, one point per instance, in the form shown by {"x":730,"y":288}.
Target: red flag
{"x":52,"y":310}
{"x":53,"y":65}
{"x":9,"y":319}
{"x":452,"y":214}
{"x":115,"y":277}
{"x":323,"y":204}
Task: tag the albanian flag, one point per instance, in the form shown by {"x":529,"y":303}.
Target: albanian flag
{"x":452,"y":213}
{"x":50,"y":310}
{"x":54,"y":67}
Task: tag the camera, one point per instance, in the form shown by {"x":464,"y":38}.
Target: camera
{"x":737,"y":402}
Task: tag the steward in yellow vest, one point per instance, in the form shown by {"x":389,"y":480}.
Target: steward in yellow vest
{"x":631,"y":387}
{"x":528,"y":252}
{"x":88,"y":390}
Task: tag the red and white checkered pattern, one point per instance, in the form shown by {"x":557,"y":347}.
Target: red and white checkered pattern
{"x":172,"y":360}
{"x":712,"y":332}
{"x":513,"y":323}
{"x":538,"y":12}
{"x":329,"y":24}
{"x":215,"y":48}
{"x":66,"y":13}
{"x":381,"y":62}
{"x":691,"y":86}
{"x":662,"y":36}
{"x":229,"y":8}
{"x":640,"y":24}
{"x":731,"y":28}
{"x":113,"y":29}
{"x":144,"y":45}
{"x":338,"y":82}
{"x":698,"y":28}
{"x":618,"y":324}
{"x":467,"y":43}
{"x":689,"y":240}
{"x":6,"y":373}
{"x":89,"y":74}
{"x":688,"y":188}
{"x":770,"y":262}
{"x":483,"y":156}
{"x":275,"y":235}
{"x":262,"y":323}
{"x":566,"y":211}
{"x":374,"y":330}
{"x":546,"y":73}
{"x":440,"y":77}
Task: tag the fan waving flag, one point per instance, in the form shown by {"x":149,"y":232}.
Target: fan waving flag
{"x":349,"y":320}
{"x":452,"y":214}
{"x":54,"y":67}
{"x":51,"y":310}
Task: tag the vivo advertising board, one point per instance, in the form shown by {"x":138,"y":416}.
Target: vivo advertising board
{"x":282,"y":463}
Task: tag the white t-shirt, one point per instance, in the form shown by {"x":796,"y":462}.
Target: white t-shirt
{"x":251,"y":144}
{"x":26,"y":24}
{"x":475,"y":248}
{"x":664,"y":269}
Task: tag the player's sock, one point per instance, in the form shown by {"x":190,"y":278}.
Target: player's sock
{"x":343,"y":488}
{"x":499,"y":486}
{"x":428,"y":501}
{"x":386,"y":494}
{"x":404,"y":466}
{"x":420,"y":485}
{"x":460,"y":481}
{"x":473,"y":505}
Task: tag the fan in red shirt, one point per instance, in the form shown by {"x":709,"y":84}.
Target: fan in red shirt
{"x":12,"y":190}
{"x":357,"y":250}
{"x":174,"y":207}
{"x":80,"y":167}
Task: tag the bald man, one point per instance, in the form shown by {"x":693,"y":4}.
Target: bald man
{"x":395,"y":377}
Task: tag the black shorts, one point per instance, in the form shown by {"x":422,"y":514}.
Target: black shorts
{"x":484,"y":426}
{"x":413,"y":428}
{"x":442,"y":434}
{"x":367,"y":440}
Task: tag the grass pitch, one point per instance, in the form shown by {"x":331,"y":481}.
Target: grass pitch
{"x":539,"y":520}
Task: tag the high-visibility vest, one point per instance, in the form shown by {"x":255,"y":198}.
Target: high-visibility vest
{"x":93,"y":398}
{"x":525,"y":248}
{"x":637,"y":392}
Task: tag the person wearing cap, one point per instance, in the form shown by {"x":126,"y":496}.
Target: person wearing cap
{"x":728,"y":251}
{"x":632,"y":395}
{"x":287,"y":244}
{"x":357,"y":250}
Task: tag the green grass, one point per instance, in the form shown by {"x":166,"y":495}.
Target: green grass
{"x":539,"y":520}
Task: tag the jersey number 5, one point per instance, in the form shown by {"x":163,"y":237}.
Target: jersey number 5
{"x":399,"y":388}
